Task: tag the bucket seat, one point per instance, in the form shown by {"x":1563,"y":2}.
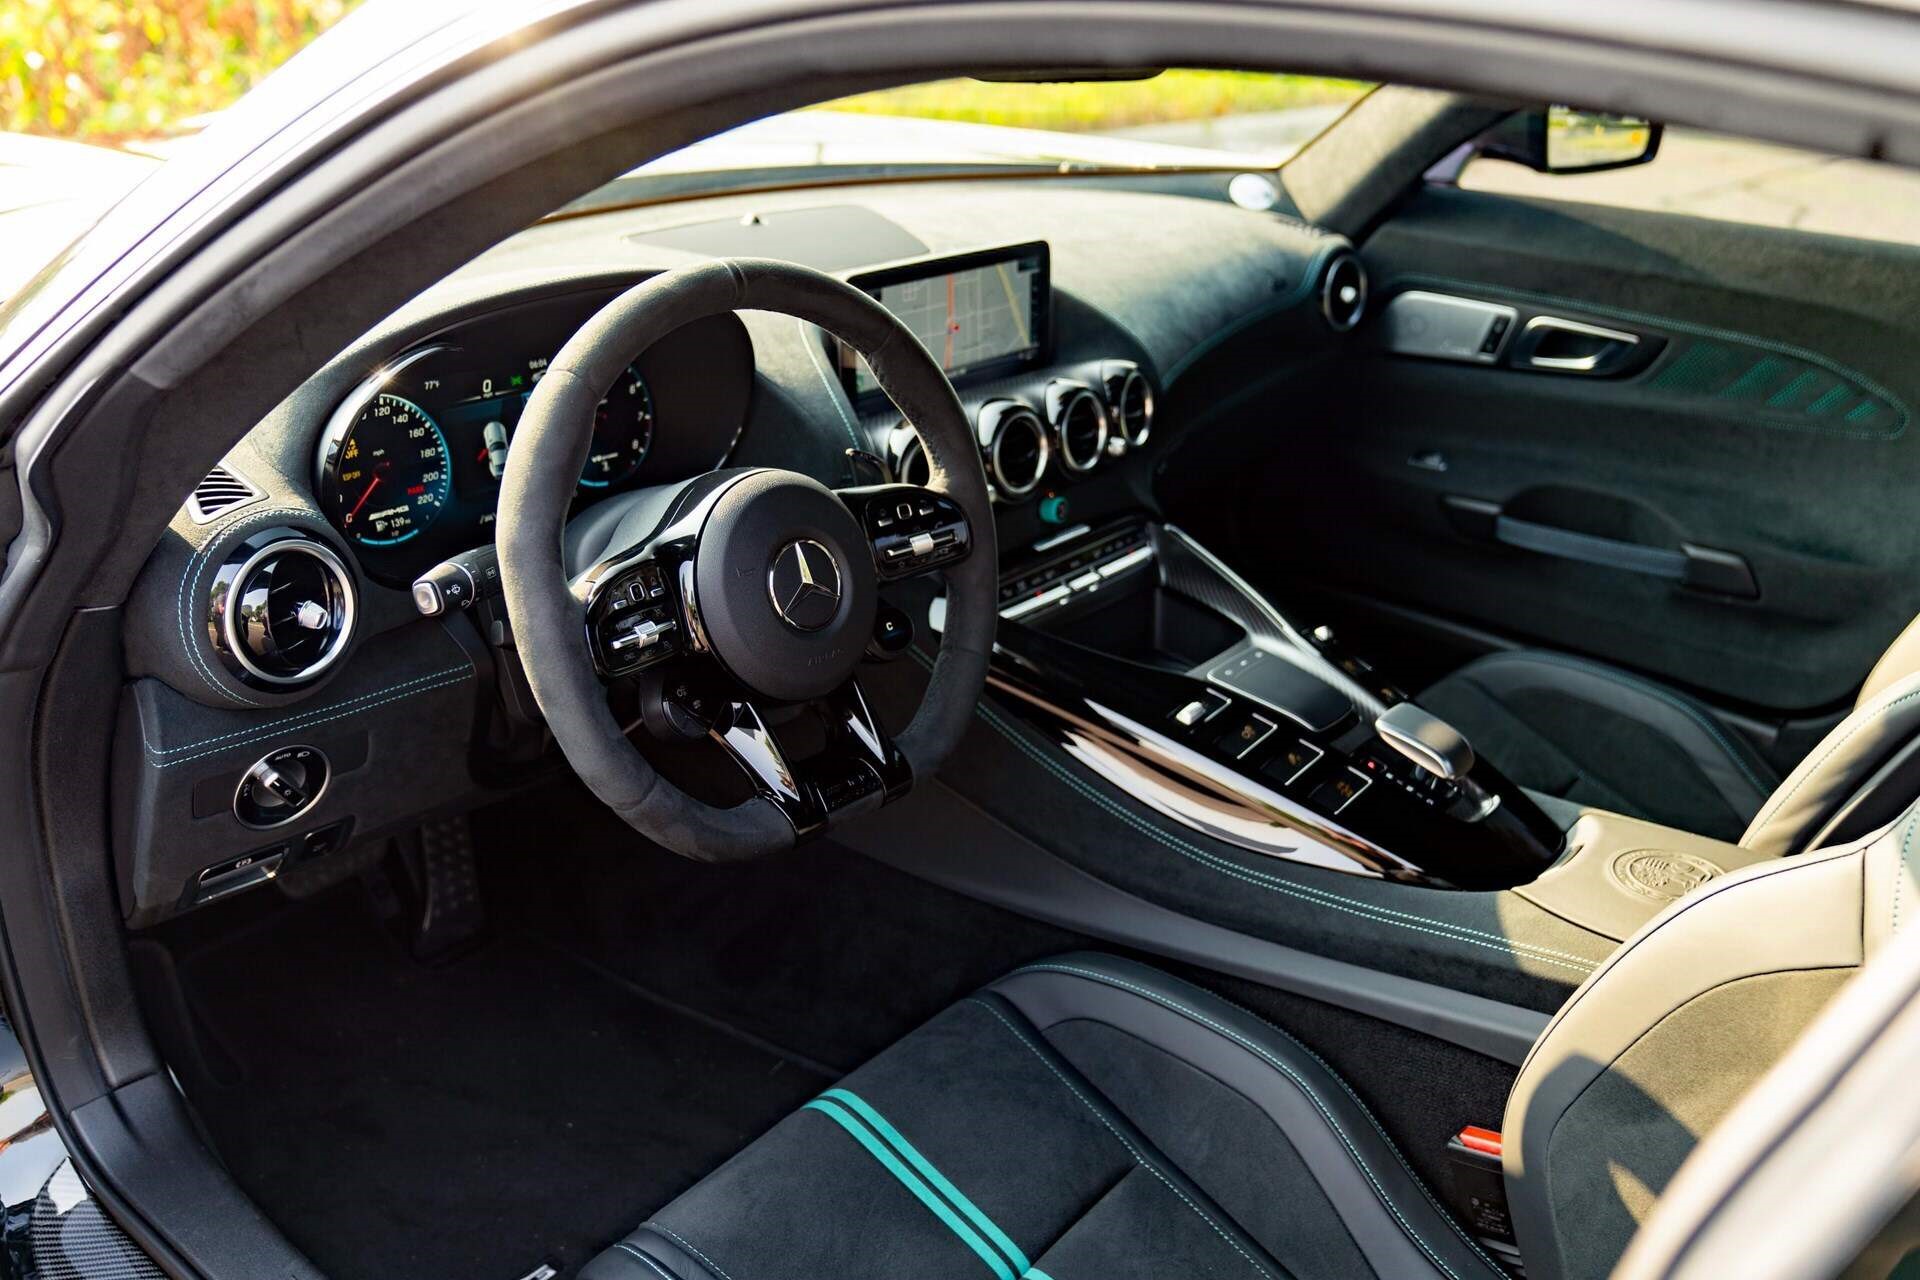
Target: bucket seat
{"x":1599,"y":736}
{"x":1091,"y":1118}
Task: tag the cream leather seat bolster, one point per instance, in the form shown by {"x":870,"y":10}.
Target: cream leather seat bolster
{"x":1835,"y":770}
{"x":1662,"y":1040}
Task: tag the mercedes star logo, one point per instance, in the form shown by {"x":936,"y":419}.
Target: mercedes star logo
{"x":805,"y":585}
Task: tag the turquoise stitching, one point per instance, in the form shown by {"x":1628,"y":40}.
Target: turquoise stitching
{"x":278,"y":726}
{"x":925,"y":1169}
{"x":1318,"y":1105}
{"x":1443,"y":929}
{"x":1894,"y":403}
{"x":834,"y":391}
{"x":644,"y":1258}
{"x":905,"y":1176}
{"x":1121,"y":1138}
{"x":1665,"y":695}
{"x":682,"y":1241}
{"x":190,"y":588}
{"x":1807,"y":770}
{"x":289,"y":720}
{"x":1900,"y":881}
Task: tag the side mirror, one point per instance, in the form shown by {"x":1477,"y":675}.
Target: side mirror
{"x":1564,"y":140}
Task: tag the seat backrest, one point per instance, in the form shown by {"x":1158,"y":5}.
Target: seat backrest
{"x":1901,"y":659}
{"x":1858,"y":776}
{"x":1661,"y":1041}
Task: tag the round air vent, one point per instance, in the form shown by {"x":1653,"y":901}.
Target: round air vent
{"x":1017,"y":447}
{"x":1343,"y":292}
{"x":906,"y":458}
{"x":1129,"y":403}
{"x":1079,"y":425}
{"x":281,"y":610}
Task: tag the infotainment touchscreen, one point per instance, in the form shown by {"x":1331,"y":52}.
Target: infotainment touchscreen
{"x":979,"y":313}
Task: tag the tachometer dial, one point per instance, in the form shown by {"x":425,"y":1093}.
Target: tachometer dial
{"x":392,"y":474}
{"x":622,"y":433}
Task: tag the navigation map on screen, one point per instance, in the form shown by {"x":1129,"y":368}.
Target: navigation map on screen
{"x":968,"y":318}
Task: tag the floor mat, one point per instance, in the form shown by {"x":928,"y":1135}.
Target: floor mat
{"x":468,"y":1122}
{"x":822,"y":951}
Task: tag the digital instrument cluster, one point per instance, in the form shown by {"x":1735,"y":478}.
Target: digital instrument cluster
{"x":409,"y":465}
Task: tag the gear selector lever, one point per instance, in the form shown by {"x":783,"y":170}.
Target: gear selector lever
{"x":1440,"y":750}
{"x":1427,"y":740}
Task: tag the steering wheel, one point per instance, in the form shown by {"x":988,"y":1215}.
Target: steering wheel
{"x":747,"y":590}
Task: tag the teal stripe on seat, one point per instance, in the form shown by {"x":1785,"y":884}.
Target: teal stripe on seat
{"x":912,"y":1182}
{"x":926,"y":1170}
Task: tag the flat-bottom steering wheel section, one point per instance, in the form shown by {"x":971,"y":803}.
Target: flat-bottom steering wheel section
{"x":748,"y":610}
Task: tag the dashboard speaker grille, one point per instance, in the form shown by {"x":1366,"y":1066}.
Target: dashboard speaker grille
{"x":220,"y":492}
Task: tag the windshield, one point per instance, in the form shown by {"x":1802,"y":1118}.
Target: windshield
{"x":1169,"y":122}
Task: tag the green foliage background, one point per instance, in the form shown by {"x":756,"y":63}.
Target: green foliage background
{"x":1091,"y":105}
{"x":109,"y":70}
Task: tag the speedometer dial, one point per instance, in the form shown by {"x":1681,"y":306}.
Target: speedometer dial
{"x":392,"y":474}
{"x":622,"y":433}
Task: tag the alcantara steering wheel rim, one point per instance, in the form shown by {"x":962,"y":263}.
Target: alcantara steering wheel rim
{"x":550,"y":613}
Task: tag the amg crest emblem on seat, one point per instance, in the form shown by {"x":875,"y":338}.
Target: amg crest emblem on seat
{"x":804,"y":583}
{"x":1662,"y":876}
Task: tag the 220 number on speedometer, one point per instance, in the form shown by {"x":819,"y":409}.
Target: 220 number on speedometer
{"x":393,"y":474}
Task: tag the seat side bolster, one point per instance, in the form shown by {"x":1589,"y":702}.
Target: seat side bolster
{"x":646,"y":1255}
{"x":1391,"y":1216}
{"x":1900,"y":661}
{"x":1790,"y":916}
{"x":1836,"y":768}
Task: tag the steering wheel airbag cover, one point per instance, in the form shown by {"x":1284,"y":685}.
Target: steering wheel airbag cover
{"x":550,"y":449}
{"x":740,"y":592}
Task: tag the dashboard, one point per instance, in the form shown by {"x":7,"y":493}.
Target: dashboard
{"x":275,"y":637}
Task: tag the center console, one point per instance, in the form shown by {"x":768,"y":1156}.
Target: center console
{"x":1159,"y":669}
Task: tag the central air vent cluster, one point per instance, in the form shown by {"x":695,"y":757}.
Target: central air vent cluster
{"x":1079,"y":423}
{"x":222,"y":491}
{"x":281,"y":610}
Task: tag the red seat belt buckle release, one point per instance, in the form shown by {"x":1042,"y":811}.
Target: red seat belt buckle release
{"x":1474,"y":1138}
{"x":1480,"y":1183}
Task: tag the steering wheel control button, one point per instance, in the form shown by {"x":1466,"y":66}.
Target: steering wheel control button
{"x":634,"y":622}
{"x":892,"y":634}
{"x":281,"y":786}
{"x":913,"y":530}
{"x":804,"y":584}
{"x":859,"y":783}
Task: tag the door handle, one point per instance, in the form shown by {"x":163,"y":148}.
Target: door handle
{"x":1554,"y":344}
{"x":1705,"y":569}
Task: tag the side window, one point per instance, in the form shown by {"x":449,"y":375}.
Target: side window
{"x":1709,"y":175}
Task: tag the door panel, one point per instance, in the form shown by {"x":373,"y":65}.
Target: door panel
{"x":1727,"y":509}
